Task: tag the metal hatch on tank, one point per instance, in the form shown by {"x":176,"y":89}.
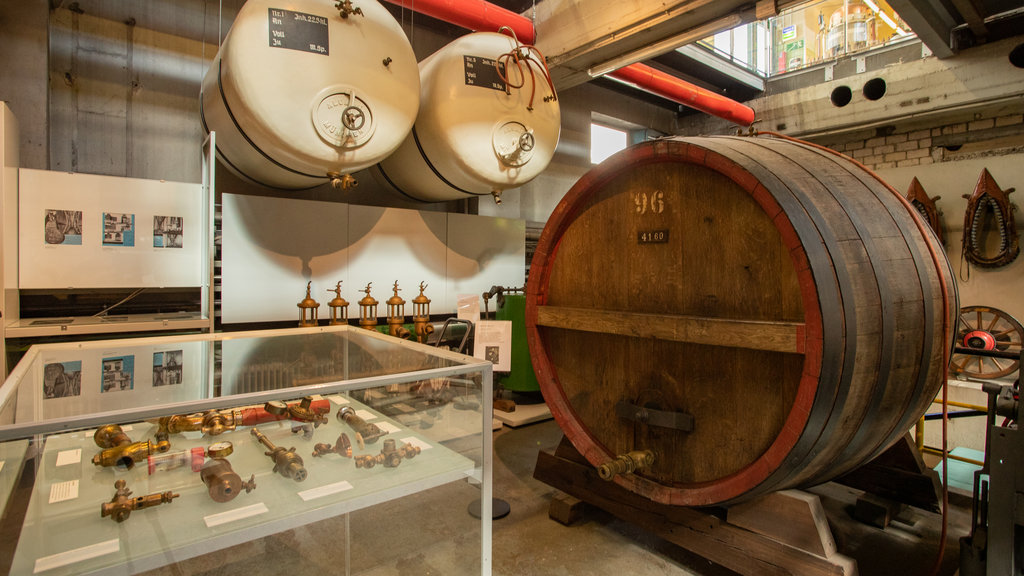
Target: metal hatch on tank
{"x":302,"y":93}
{"x":489,"y":121}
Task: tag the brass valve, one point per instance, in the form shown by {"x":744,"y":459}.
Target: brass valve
{"x":301,"y":411}
{"x":210,"y":423}
{"x":286,"y":462}
{"x":122,"y":504}
{"x":222,"y":482}
{"x":365,"y":431}
{"x":120,"y":450}
{"x":390,"y":455}
{"x":626,"y":464}
{"x":343,"y":446}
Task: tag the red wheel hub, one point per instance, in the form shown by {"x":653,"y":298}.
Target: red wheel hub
{"x":979,"y":340}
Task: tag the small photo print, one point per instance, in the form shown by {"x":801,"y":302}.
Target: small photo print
{"x":118,"y":229}
{"x":118,"y":373}
{"x":63,"y":227}
{"x":492,"y":353}
{"x":167,"y":368}
{"x":62,"y":379}
{"x":168,"y":231}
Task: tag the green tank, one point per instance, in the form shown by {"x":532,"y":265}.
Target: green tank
{"x":521,"y":378}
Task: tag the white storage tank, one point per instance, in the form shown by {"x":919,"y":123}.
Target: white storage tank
{"x":488,"y":121}
{"x":301,"y":92}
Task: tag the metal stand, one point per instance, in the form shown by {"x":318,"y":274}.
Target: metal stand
{"x":994,"y":547}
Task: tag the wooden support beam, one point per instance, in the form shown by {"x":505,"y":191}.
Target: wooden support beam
{"x":750,"y":334}
{"x":701,"y":532}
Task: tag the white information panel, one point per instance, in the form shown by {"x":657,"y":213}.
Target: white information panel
{"x":91,"y":231}
{"x":272,"y":247}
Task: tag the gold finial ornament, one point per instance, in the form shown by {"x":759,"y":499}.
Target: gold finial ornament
{"x":338,"y":304}
{"x":309,"y":305}
{"x":367,"y":309}
{"x":421,"y":315}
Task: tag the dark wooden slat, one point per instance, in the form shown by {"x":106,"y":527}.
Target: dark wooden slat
{"x":750,"y":334}
{"x":700,"y":532}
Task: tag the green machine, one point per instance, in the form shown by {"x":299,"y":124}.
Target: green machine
{"x":513,"y":307}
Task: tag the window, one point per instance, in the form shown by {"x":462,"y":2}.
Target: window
{"x":810,"y":34}
{"x":604,"y":142}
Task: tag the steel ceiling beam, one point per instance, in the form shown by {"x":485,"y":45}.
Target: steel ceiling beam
{"x":931,"y":21}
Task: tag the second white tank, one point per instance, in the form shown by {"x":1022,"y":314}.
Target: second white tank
{"x":488,"y":121}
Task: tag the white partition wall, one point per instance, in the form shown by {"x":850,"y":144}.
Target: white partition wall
{"x":9,"y":224}
{"x":272,"y":247}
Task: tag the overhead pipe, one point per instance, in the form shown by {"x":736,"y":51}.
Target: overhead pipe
{"x":482,"y":15}
{"x":685,"y":93}
{"x":473,"y":14}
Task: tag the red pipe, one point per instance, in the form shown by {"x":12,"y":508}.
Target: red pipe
{"x":685,"y":93}
{"x":482,"y":15}
{"x":473,"y":14}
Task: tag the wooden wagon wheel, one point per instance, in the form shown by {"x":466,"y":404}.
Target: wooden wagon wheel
{"x":986,"y":328}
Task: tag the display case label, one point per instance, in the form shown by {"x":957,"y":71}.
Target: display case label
{"x":366,"y":415}
{"x":388,"y":427}
{"x":234,"y":515}
{"x":77,"y":555}
{"x":62,"y":491}
{"x":298,"y":31}
{"x":339,"y":399}
{"x":484,"y":72}
{"x":417,"y":442}
{"x":314,"y":493}
{"x":68,"y":457}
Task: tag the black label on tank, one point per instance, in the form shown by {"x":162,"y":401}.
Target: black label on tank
{"x":652,"y":236}
{"x":298,"y":31}
{"x":483,"y":72}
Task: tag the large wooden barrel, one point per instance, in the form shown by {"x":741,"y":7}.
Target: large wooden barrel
{"x":777,"y":293}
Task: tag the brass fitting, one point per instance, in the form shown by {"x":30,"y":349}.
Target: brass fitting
{"x":286,"y":462}
{"x":211,"y":423}
{"x":301,"y":411}
{"x":626,"y":464}
{"x":222,"y":482}
{"x":120,"y":450}
{"x":122,"y":504}
{"x":390,"y":455}
{"x":369,"y":433}
{"x":343,"y":446}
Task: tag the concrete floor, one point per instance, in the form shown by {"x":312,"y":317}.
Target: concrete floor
{"x":431,"y":534}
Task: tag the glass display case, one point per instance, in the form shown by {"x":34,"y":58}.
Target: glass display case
{"x":361,"y":451}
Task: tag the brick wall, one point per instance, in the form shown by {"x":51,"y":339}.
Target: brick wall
{"x":903,"y":147}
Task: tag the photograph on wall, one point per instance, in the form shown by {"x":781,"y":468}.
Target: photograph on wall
{"x":118,"y":229}
{"x":168,"y":232}
{"x":167,"y":367}
{"x":118,"y":373}
{"x":63,"y":227}
{"x":62,"y":379}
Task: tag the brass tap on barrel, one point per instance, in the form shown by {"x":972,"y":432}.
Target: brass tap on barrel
{"x":626,"y":464}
